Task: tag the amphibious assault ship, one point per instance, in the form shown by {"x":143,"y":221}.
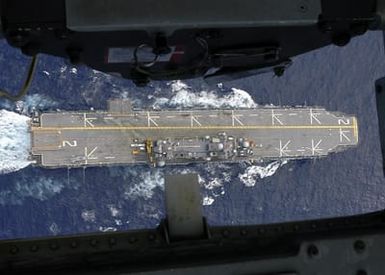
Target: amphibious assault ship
{"x":125,"y":136}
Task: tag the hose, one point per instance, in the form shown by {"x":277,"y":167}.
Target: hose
{"x":23,"y":91}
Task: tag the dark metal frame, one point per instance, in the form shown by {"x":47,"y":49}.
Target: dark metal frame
{"x":347,"y":245}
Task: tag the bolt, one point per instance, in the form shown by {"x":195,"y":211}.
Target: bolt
{"x":312,"y":251}
{"x":261,"y":231}
{"x":303,"y":8}
{"x":132,"y":240}
{"x":112,"y":241}
{"x":34,"y":248}
{"x":278,"y":229}
{"x":359,"y":246}
{"x":244,"y":232}
{"x":14,"y":250}
{"x":74,"y":244}
{"x":152,"y":237}
{"x":93,"y":242}
{"x":225,"y":233}
{"x":54,"y":246}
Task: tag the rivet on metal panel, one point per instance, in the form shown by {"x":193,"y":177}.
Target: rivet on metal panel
{"x":54,"y":246}
{"x":244,"y":232}
{"x":132,"y":240}
{"x":152,"y":237}
{"x":302,"y":7}
{"x":312,"y":251}
{"x":14,"y":250}
{"x":359,"y":246}
{"x":94,"y":242}
{"x":112,"y":241}
{"x":261,"y":231}
{"x":34,"y":248}
{"x":74,"y":244}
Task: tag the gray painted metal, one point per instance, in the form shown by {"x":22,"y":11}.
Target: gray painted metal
{"x":161,"y":137}
{"x":166,"y":16}
{"x":183,"y":207}
{"x":381,"y":13}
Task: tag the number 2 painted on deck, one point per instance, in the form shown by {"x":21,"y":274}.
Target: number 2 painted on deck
{"x":73,"y":143}
{"x":345,"y":121}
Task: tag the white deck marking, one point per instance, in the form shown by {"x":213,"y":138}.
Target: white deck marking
{"x":343,"y":121}
{"x":283,"y":149}
{"x":235,"y":119}
{"x":213,"y":115}
{"x":313,"y":117}
{"x":274,"y":118}
{"x":315,"y":147}
{"x":89,"y":155}
{"x":253,"y":115}
{"x":293,"y":114}
{"x":194,"y":121}
{"x":170,"y":116}
{"x":109,"y":157}
{"x":88,"y":120}
{"x":151,"y":120}
{"x":344,"y":136}
{"x":72,"y":143}
{"x":107,"y":118}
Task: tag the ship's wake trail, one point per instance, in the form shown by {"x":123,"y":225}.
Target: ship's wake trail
{"x":14,"y":142}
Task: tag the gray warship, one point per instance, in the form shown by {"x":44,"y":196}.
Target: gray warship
{"x":123,"y":135}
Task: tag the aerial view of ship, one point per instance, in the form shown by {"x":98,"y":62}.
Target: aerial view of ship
{"x":123,"y":135}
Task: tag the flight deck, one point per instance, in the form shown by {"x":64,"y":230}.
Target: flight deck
{"x":123,"y":136}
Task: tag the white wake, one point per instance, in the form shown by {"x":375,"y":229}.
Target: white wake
{"x":14,"y":141}
{"x":184,"y":97}
{"x":252,"y":173}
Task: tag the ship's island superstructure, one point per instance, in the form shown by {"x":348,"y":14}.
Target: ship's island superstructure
{"x":123,"y":136}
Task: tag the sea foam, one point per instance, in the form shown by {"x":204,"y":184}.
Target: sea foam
{"x":252,"y":173}
{"x":184,"y":97}
{"x":15,"y":141}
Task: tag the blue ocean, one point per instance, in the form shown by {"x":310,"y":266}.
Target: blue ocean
{"x":40,"y":202}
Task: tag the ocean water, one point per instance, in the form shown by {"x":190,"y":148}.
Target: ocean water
{"x":40,"y":202}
